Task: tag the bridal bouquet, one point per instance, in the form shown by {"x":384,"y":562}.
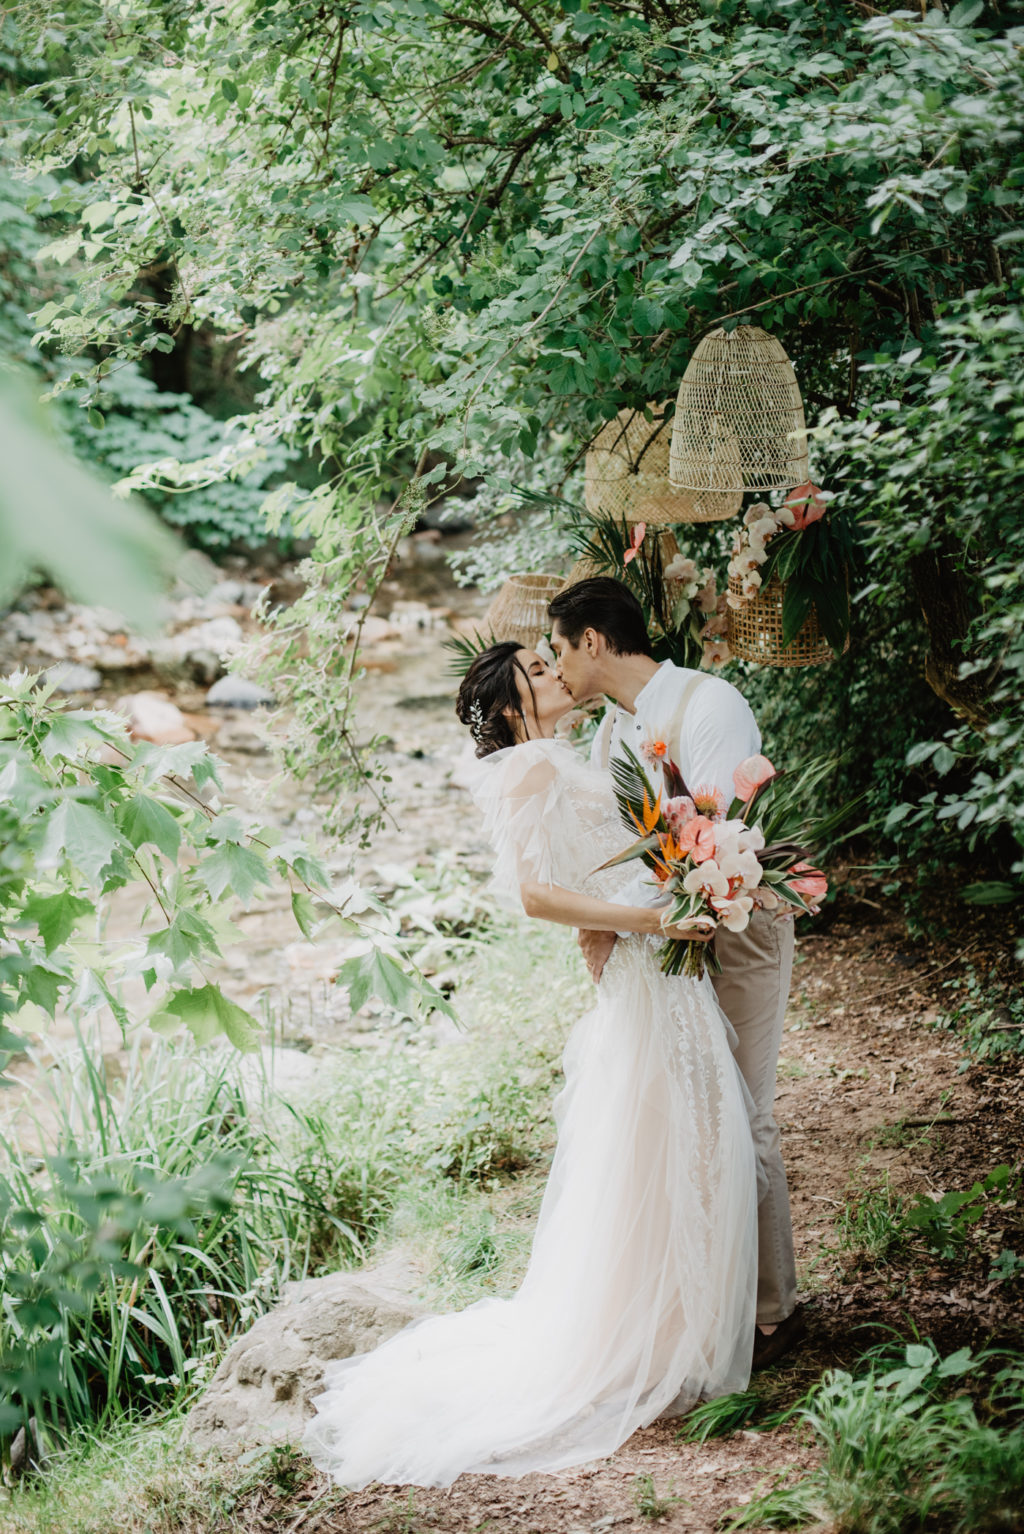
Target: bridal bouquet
{"x":716,"y":862}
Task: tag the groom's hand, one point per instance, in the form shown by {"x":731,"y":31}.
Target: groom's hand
{"x":596,"y":948}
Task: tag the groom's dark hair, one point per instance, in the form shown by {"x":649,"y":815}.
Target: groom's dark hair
{"x":605,"y":605}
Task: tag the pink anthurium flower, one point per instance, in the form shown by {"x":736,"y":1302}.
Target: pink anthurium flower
{"x":635,"y":541}
{"x":698,"y":837}
{"x":750,"y":775}
{"x":813,"y":886}
{"x":806,"y":504}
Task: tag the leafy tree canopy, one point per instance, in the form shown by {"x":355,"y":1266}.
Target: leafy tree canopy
{"x":454,"y":237}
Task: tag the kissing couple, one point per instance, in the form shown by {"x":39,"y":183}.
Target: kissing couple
{"x":662,"y":1267}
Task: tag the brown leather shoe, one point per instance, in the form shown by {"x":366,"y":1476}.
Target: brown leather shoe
{"x":769,"y":1347}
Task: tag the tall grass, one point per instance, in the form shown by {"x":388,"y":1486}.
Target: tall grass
{"x":167,"y":1215}
{"x":905,"y":1448}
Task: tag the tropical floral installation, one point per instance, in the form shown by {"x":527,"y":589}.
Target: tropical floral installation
{"x":805,"y":543}
{"x":684,"y":609}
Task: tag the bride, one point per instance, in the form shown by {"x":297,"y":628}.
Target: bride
{"x":639,"y":1294}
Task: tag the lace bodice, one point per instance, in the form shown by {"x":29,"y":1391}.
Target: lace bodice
{"x":551,"y":816}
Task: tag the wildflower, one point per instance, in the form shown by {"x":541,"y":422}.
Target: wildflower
{"x":653,"y":751}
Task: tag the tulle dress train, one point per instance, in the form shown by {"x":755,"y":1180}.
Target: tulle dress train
{"x":639,"y":1294}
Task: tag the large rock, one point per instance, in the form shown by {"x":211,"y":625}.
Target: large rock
{"x":263,"y":1389}
{"x":238,"y":692}
{"x":152,"y":716}
{"x":68,"y":676}
{"x":199,"y":651}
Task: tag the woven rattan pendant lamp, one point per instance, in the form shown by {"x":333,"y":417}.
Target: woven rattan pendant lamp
{"x":739,"y":421}
{"x":520,"y":609}
{"x":626,"y":474}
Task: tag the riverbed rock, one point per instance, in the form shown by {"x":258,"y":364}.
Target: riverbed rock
{"x":152,"y":716}
{"x":69,"y":677}
{"x":198,"y":651}
{"x":238,"y":692}
{"x":263,"y":1390}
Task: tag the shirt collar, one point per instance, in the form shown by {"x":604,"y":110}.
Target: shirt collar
{"x":651,"y":690}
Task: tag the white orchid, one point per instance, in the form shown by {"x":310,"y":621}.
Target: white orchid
{"x":682,"y":569}
{"x":734,"y":914}
{"x":742,"y":865}
{"x":708,"y":879}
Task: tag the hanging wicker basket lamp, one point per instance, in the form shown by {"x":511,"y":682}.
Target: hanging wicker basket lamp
{"x":520,"y":609}
{"x":626,"y":473}
{"x":739,"y":421}
{"x":755,"y":630}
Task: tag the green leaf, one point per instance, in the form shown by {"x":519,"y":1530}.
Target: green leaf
{"x":206,"y":1012}
{"x":42,"y":986}
{"x":66,"y":734}
{"x":228,"y":89}
{"x":648,"y":316}
{"x":236,"y":868}
{"x":95,"y":547}
{"x":187,"y":936}
{"x":796,"y":605}
{"x":304,"y":912}
{"x":994,"y":892}
{"x":377,"y":974}
{"x":144,"y":819}
{"x":85,"y":837}
{"x":56,"y":916}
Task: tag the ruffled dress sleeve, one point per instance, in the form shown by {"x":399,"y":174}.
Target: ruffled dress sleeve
{"x":520,"y":794}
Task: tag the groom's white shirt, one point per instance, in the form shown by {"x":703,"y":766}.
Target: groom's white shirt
{"x":718,"y":728}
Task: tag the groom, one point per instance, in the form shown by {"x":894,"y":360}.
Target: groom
{"x":706,"y":727}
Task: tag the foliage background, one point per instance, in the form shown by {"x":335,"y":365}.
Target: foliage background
{"x":404,"y":244}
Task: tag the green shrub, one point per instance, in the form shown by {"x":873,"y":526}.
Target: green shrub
{"x":904,"y":1450}
{"x":133,"y":423}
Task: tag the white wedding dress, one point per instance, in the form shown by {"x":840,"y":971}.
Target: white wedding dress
{"x":639,"y":1295}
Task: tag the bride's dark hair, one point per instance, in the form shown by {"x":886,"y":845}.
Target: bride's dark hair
{"x":489,"y":694}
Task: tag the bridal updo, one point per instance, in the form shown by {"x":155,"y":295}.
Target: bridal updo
{"x":489,"y":701}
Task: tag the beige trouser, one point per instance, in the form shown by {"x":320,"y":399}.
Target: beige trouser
{"x":753,"y":988}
